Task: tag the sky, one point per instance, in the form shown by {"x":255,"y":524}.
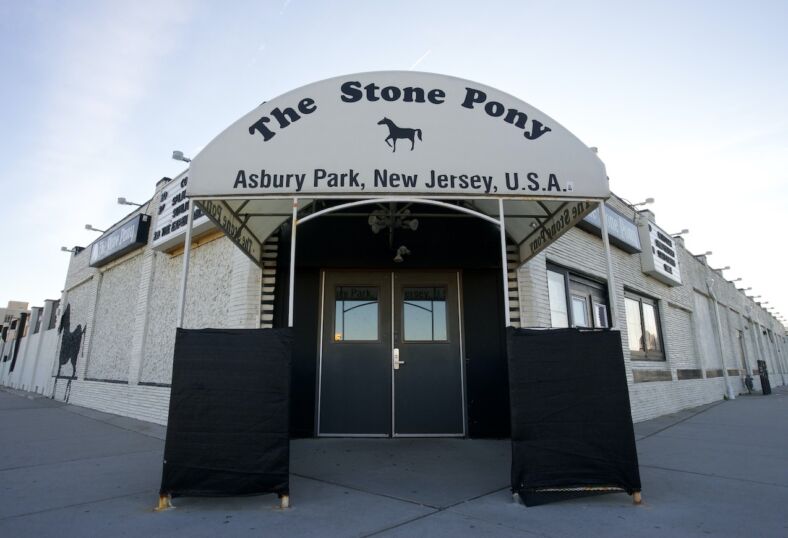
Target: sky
{"x":686,"y":101}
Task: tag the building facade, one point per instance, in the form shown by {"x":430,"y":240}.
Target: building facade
{"x":402,"y":283}
{"x":114,"y":350}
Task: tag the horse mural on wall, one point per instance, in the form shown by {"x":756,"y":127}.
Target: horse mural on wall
{"x":399,"y":132}
{"x":70,"y":346}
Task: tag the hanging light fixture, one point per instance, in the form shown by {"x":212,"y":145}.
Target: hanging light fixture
{"x":401,"y":251}
{"x":392,"y":218}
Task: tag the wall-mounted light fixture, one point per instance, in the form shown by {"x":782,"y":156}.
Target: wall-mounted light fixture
{"x":645,"y":202}
{"x":179,"y":156}
{"x":92,"y":229}
{"x":685,"y":231}
{"x":123,"y":201}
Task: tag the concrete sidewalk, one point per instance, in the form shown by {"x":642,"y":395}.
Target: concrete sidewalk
{"x":719,"y":470}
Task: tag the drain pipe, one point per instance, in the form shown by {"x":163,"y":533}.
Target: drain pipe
{"x":728,"y":386}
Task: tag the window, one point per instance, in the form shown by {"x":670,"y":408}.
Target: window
{"x":645,"y":341}
{"x":424,"y":314}
{"x":600,"y":315}
{"x":53,"y":315}
{"x":356,"y":314}
{"x":580,"y":312}
{"x":576,"y":301}
{"x":556,"y":288}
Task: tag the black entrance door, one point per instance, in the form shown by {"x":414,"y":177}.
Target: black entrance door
{"x":355,"y":369}
{"x":390,"y":355}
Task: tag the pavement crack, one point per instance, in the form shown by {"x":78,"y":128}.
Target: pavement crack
{"x":408,"y":522}
{"x":59,"y":462}
{"x":693,"y":415}
{"x":94,"y":501}
{"x":362,"y":490}
{"x":709,"y":475}
{"x":69,"y":409}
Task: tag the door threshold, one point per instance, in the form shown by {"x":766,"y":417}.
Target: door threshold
{"x":356,"y":435}
{"x":430,"y":435}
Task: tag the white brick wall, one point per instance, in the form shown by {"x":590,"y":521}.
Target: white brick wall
{"x":128,"y":308}
{"x":687,"y":315}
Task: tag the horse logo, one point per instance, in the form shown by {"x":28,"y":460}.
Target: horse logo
{"x":70,"y":345}
{"x":399,"y":132}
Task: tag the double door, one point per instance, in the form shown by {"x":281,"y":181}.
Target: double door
{"x":390,"y":355}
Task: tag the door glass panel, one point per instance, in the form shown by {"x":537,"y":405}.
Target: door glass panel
{"x":356,"y":314}
{"x":580,"y":312}
{"x":424,"y":314}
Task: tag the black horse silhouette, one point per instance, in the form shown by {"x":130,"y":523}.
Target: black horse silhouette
{"x":399,"y":132}
{"x":70,"y":344}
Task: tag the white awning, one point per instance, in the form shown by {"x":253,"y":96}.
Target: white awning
{"x":397,"y":134}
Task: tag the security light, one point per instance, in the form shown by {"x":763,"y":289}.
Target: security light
{"x":685,"y":231}
{"x":707,"y":253}
{"x":722,"y":268}
{"x":92,"y":229}
{"x":178,"y":156}
{"x":736,"y":279}
{"x":123,"y":201}
{"x":646,"y":202}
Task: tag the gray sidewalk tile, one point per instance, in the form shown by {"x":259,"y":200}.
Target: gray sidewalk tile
{"x":450,"y":524}
{"x":675,"y":504}
{"x":721,"y":470}
{"x":435,"y":472}
{"x":32,"y":489}
{"x":318,"y":509}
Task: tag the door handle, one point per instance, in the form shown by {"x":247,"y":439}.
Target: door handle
{"x":395,"y":359}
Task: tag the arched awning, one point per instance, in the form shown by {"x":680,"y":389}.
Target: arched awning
{"x":397,"y":134}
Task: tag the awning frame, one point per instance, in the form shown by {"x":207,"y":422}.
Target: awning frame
{"x":356,"y":201}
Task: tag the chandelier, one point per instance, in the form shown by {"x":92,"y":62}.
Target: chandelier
{"x":392,"y":218}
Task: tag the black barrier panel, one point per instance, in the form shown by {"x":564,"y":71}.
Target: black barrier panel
{"x":571,"y":421}
{"x":228,"y":427}
{"x":763,"y":371}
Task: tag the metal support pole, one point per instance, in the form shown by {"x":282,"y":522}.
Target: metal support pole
{"x":291,"y":291}
{"x":187,"y":249}
{"x":611,"y":281}
{"x":504,"y":264}
{"x":728,"y":386}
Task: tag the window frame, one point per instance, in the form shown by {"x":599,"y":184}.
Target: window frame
{"x":404,"y":302}
{"x":334,"y":315}
{"x":644,"y":354}
{"x":590,"y":299}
